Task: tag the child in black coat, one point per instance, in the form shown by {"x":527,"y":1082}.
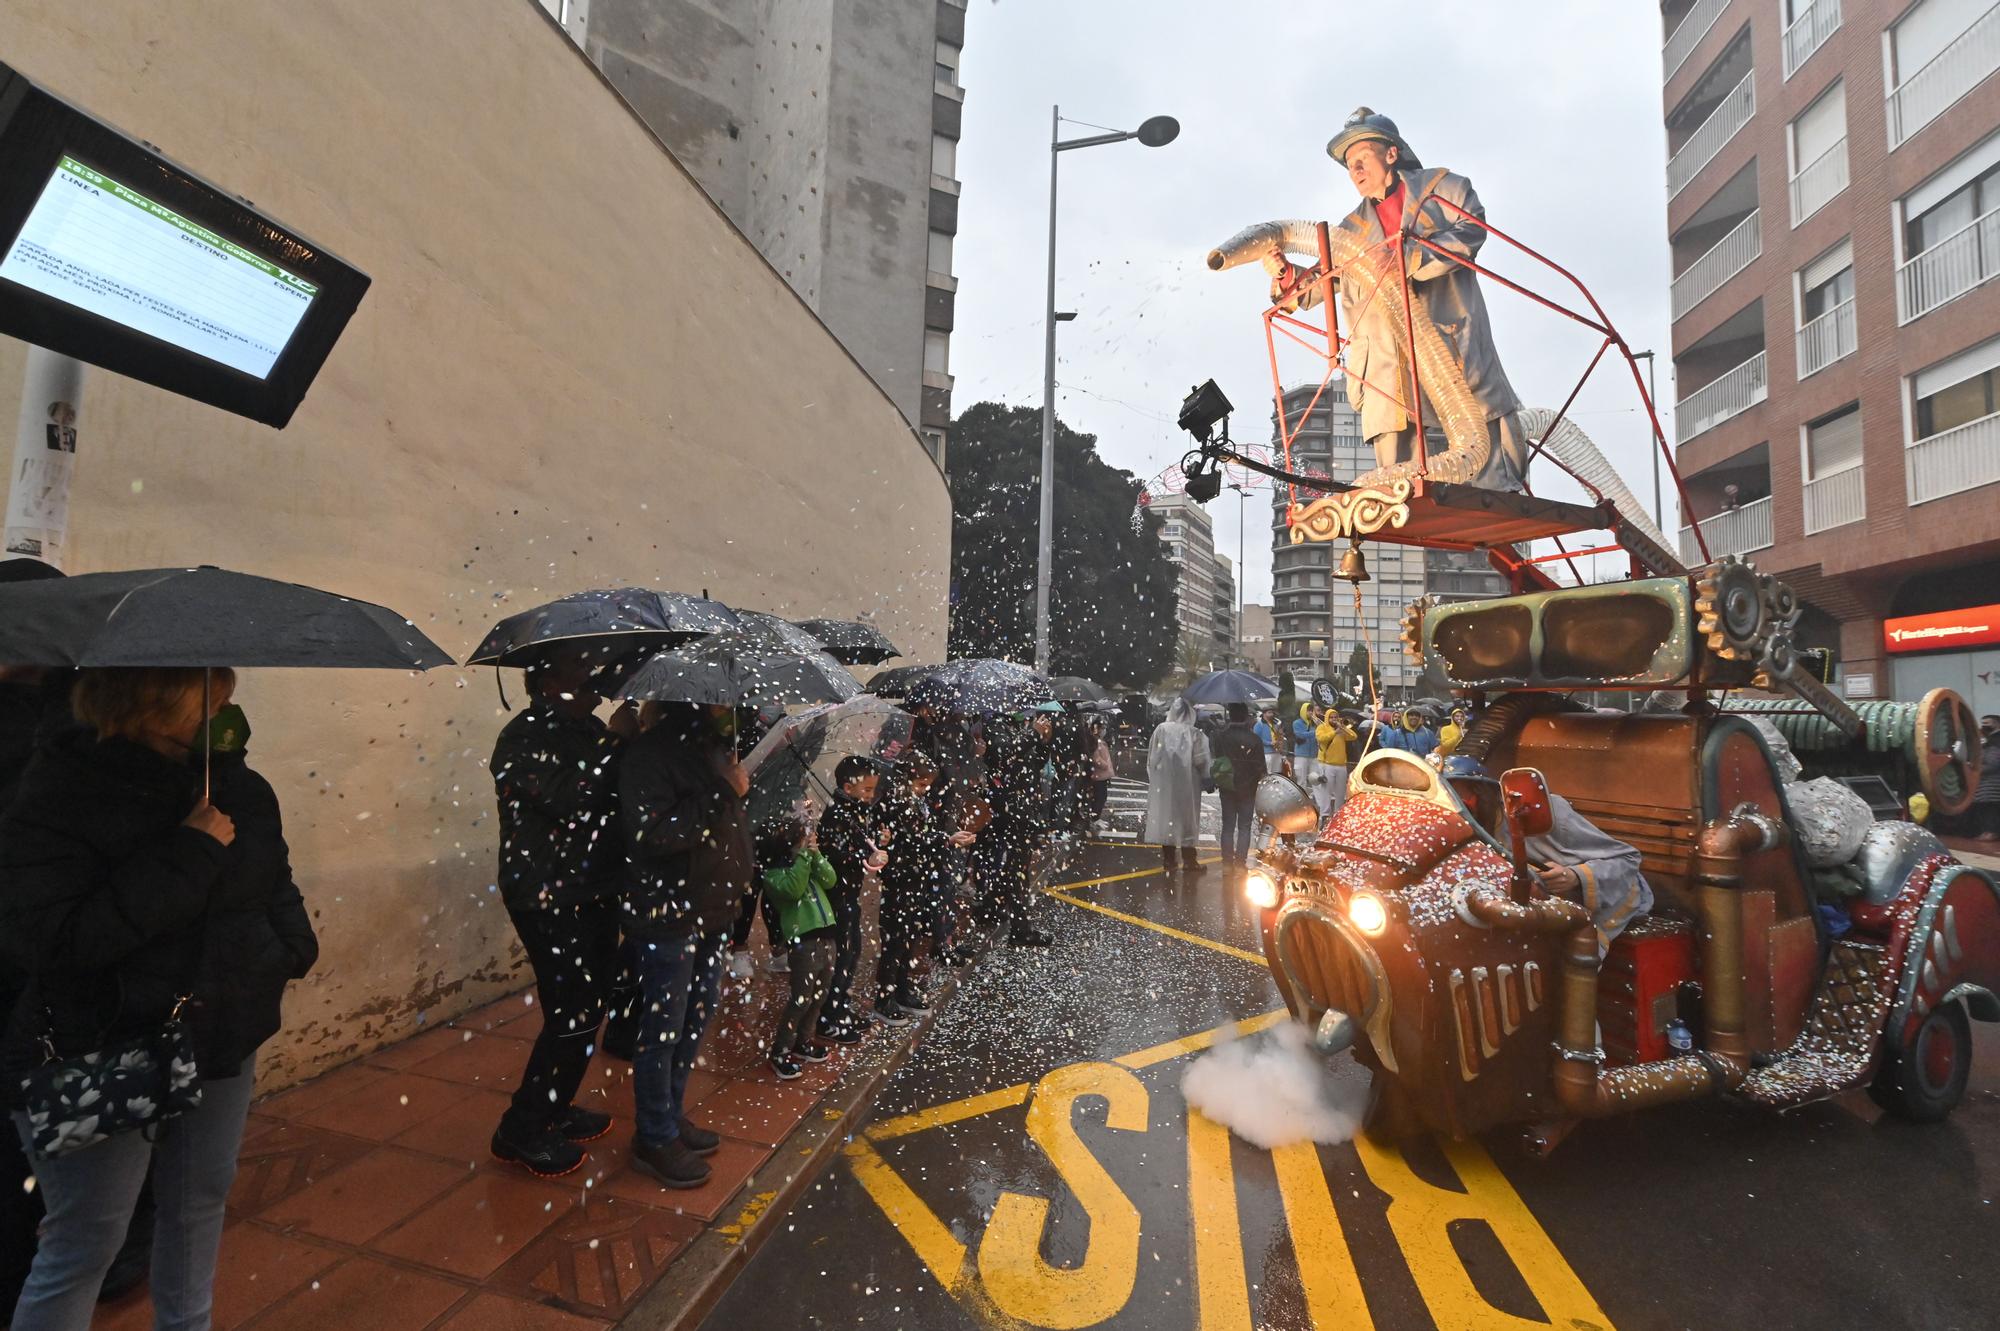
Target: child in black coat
{"x":917,"y":884}
{"x":849,"y":833}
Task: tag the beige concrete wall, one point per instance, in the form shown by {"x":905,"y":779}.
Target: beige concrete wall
{"x":570,"y":372}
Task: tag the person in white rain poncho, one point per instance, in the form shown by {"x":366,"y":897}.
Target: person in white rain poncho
{"x":1176,"y":767}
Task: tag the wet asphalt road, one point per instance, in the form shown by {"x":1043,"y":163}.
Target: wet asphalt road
{"x":1034,"y":1164}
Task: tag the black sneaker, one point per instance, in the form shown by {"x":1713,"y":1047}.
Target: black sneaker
{"x":1023,"y":936}
{"x":786,"y":1069}
{"x":578,"y":1124}
{"x":543,"y":1152}
{"x":699,"y":1139}
{"x":672,"y":1163}
{"x":912,"y":1002}
{"x":812,"y":1051}
{"x":840,"y":1035}
{"x":890,"y":1015}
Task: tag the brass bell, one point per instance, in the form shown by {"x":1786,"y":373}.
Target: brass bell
{"x":1353,"y":564}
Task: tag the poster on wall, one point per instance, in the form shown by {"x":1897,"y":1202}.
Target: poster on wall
{"x":38,"y":490}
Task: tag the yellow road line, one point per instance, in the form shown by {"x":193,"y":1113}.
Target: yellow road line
{"x":957,"y":1111}
{"x":1240,"y":954}
{"x":932,"y":1239}
{"x":1189,"y":1044}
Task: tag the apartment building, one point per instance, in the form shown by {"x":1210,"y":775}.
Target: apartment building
{"x":1189,"y":536}
{"x":1833,"y":183}
{"x":828,"y":132}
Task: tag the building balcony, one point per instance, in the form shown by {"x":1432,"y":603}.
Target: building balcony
{"x":1835,"y":500}
{"x":1951,"y":73}
{"x":1955,"y":461}
{"x":1827,"y":339}
{"x":1818,"y":21}
{"x":1947,"y":270}
{"x":1722,"y":261}
{"x":1732,"y":393}
{"x":1819,"y":181}
{"x":1737,"y":531}
{"x":1683,"y":39}
{"x":1728,"y":118}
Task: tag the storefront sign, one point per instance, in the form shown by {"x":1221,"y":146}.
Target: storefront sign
{"x":1951,"y":629}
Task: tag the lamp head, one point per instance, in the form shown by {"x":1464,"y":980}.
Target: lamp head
{"x":1158,"y":131}
{"x":1203,"y":409}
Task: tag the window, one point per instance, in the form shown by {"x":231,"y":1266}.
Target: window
{"x":940,"y":257}
{"x":1945,"y":216}
{"x":944,"y":157}
{"x":1826,"y":282}
{"x":1833,"y":443}
{"x":1958,"y":391}
{"x":1820,"y":127}
{"x":947,"y":65}
{"x":1927,"y":29}
{"x":937,"y":352}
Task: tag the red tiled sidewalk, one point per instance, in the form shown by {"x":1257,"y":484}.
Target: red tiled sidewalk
{"x":368,"y":1198}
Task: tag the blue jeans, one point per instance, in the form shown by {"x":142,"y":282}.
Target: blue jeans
{"x":90,"y":1194}
{"x":1236,"y":823}
{"x":678,"y":981}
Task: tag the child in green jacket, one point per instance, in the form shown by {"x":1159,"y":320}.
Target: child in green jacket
{"x":797,"y":877}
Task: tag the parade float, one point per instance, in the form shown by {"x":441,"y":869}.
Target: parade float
{"x":1798,"y":944}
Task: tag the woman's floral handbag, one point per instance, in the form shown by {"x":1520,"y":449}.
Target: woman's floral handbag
{"x":81,"y":1100}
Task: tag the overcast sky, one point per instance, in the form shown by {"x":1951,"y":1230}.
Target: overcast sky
{"x":1552,"y":109}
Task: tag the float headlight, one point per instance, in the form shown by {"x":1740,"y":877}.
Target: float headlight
{"x":1370,"y":916}
{"x":1262,"y":889}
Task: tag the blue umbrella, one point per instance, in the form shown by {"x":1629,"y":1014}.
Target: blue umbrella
{"x":1227,"y":686}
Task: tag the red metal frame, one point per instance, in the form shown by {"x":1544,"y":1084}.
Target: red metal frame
{"x":1327,"y":343}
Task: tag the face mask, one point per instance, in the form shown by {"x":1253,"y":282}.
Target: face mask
{"x":228,"y":732}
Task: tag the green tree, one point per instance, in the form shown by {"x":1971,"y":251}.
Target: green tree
{"x":1361,"y":677}
{"x":1112,"y":603}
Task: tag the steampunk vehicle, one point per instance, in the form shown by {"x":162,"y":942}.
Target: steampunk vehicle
{"x":1408,"y":932}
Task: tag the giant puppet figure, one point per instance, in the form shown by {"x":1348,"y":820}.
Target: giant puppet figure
{"x":1465,"y":391}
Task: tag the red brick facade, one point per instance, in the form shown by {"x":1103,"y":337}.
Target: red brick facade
{"x":1854,"y":572}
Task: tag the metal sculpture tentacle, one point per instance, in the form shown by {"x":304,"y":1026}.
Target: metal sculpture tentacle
{"x":1575,"y":453}
{"x":1369,"y":273}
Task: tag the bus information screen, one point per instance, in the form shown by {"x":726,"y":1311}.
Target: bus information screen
{"x":94,"y":243}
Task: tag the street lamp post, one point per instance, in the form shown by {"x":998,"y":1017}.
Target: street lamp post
{"x":1154,"y":133}
{"x":1653,"y":445}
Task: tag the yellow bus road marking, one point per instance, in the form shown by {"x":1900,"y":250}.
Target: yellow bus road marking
{"x":1222,"y":1290}
{"x":1082,"y":883}
{"x":1002,"y":1279}
{"x":1021,"y":1282}
{"x":1421,"y":1215}
{"x":1255,"y":959}
{"x":1326,"y":1265}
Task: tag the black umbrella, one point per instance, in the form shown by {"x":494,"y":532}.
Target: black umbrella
{"x":968,"y":688}
{"x":897,"y":681}
{"x":201,"y":617}
{"x":851,"y":642}
{"x":1075,"y":688}
{"x":619,"y":619}
{"x":736,"y":669}
{"x":1226,"y":686}
{"x":27,"y":570}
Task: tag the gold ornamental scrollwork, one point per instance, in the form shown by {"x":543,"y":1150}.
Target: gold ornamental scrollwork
{"x":1351,"y":513}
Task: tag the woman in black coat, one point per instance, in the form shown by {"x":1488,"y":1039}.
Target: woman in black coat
{"x":123,"y":891}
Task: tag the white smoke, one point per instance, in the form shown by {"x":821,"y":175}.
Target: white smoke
{"x":1273,"y":1090}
